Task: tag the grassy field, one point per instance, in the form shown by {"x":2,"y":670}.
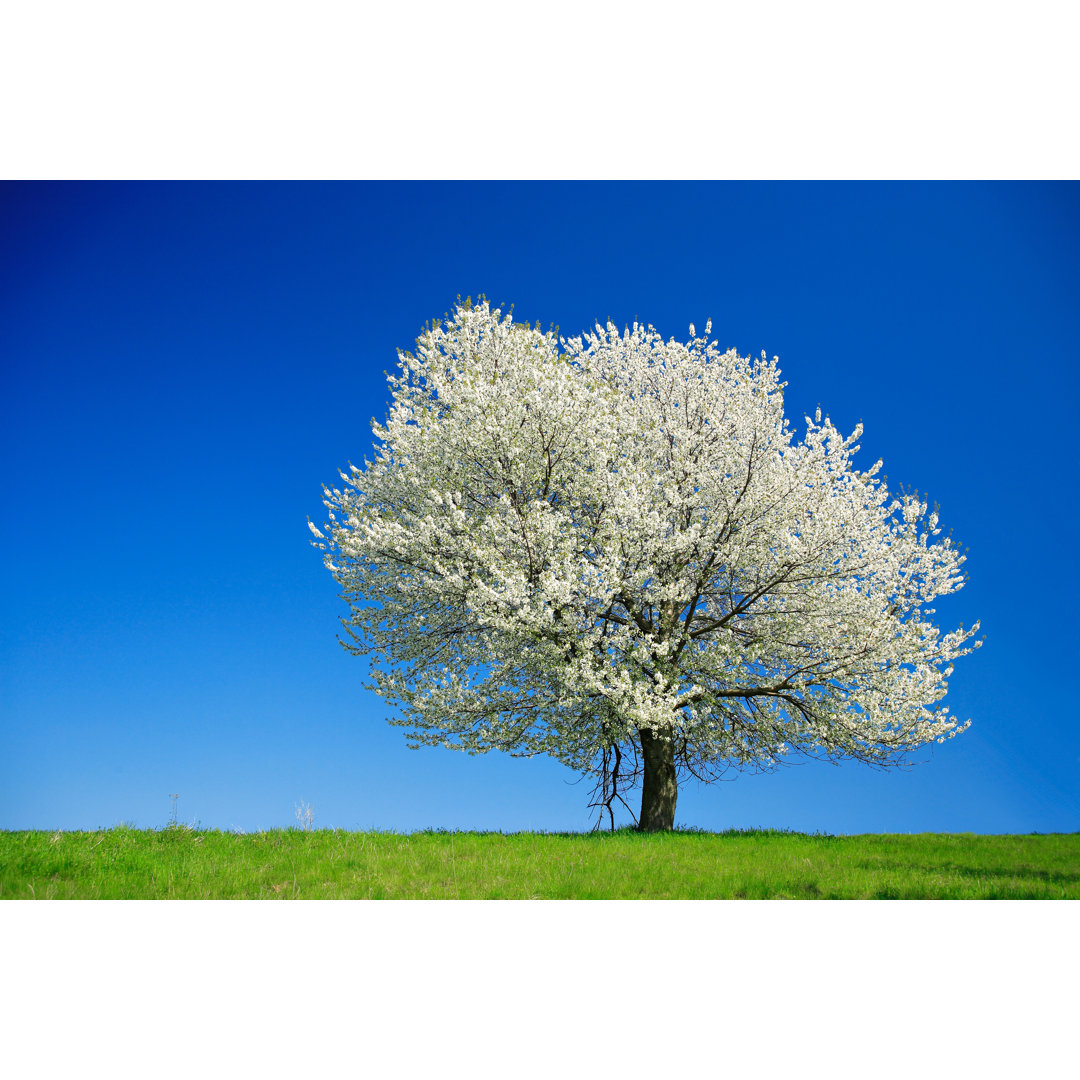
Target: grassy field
{"x":182,"y":863}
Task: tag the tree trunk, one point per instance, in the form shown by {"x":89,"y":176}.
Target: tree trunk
{"x":660,"y":789}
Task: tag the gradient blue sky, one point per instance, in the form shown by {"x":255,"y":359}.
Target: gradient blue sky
{"x":183,"y":365}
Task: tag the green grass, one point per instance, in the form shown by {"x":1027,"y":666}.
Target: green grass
{"x":182,"y":863}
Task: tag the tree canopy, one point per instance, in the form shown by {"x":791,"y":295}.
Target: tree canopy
{"x":613,"y":550}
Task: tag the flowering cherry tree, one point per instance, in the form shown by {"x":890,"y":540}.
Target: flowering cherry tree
{"x":612,"y":549}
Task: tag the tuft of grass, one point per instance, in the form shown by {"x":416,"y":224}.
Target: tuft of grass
{"x":187,"y":862}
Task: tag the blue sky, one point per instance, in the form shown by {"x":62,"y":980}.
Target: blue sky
{"x":184,"y":365}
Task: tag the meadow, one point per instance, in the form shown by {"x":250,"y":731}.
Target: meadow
{"x":184,"y":863}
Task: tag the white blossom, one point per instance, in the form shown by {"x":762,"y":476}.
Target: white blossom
{"x":560,"y":543}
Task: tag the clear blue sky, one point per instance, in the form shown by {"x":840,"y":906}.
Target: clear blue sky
{"x":184,"y":365}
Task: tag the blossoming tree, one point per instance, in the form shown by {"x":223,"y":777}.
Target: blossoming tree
{"x":614,"y":551}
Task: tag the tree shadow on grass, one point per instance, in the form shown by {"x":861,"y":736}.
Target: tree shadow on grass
{"x":1021,"y":872}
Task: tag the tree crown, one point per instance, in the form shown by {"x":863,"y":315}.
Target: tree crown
{"x":560,"y":543}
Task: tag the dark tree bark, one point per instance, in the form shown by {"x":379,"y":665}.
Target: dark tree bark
{"x":660,"y":788}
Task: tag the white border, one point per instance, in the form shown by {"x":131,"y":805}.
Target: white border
{"x":222,"y":89}
{"x":541,"y":989}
